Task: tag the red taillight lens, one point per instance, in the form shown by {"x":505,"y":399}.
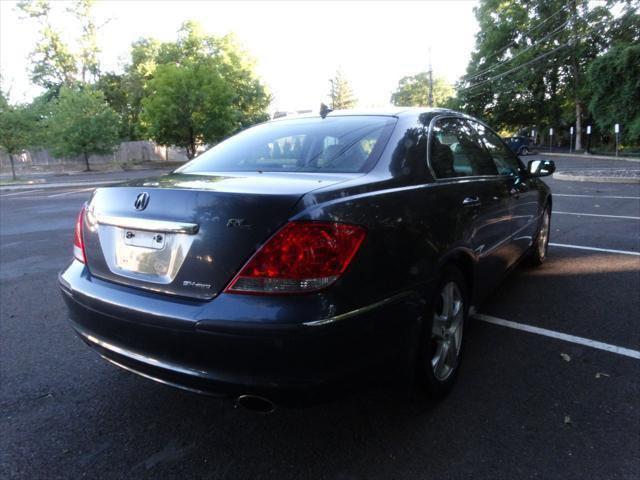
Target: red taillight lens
{"x":78,"y":241}
{"x":301,"y":257}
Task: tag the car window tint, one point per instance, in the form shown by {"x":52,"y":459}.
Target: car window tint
{"x":456,"y":151}
{"x":338,"y":144}
{"x":506,"y":162}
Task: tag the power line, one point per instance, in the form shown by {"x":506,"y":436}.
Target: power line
{"x":512,"y":42}
{"x":500,"y":75}
{"x":544,"y":55}
{"x":550,"y":34}
{"x":492,"y":93}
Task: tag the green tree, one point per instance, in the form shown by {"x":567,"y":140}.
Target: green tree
{"x":189,"y":105}
{"x":52,"y":62}
{"x":413,"y":91}
{"x":341,"y":93}
{"x":613,"y":80}
{"x":17,"y":125}
{"x":87,"y":57}
{"x":81,"y":123}
{"x":250,"y":97}
{"x":529,"y":63}
{"x":124,"y":91}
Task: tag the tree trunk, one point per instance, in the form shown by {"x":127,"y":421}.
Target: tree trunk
{"x":13,"y":168}
{"x":86,"y":161}
{"x":578,"y":125}
{"x":191,"y":151}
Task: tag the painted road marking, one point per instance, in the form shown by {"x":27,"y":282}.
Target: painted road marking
{"x":69,"y":192}
{"x":595,"y":249}
{"x":595,"y":196}
{"x":627,"y":352}
{"x":626,"y":217}
{"x":20,"y":193}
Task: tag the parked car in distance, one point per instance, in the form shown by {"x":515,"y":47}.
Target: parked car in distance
{"x":303,"y":252}
{"x":519,"y":145}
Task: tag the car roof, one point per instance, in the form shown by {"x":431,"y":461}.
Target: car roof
{"x":378,"y":111}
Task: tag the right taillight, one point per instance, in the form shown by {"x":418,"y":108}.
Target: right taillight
{"x":301,"y":257}
{"x":78,"y":240}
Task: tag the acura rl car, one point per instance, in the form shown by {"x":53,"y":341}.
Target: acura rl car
{"x":303,"y":252}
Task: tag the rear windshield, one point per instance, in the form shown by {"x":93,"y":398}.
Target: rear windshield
{"x":332,"y":144}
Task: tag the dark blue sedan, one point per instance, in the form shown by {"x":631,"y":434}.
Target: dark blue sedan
{"x":519,"y":145}
{"x":304,"y":252}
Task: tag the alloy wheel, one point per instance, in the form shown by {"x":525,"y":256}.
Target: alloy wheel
{"x":543,"y":235}
{"x":446,"y":332}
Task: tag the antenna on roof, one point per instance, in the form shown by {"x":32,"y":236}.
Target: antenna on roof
{"x":324,"y":110}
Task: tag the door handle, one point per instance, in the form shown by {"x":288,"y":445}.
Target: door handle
{"x":471,"y":202}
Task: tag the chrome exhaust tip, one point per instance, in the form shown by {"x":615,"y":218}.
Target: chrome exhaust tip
{"x":256,"y":404}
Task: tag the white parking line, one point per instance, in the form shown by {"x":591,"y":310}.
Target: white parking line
{"x":595,"y":196}
{"x":626,"y":217}
{"x":627,"y":352}
{"x":594,"y":249}
{"x":21,"y":192}
{"x":69,"y":193}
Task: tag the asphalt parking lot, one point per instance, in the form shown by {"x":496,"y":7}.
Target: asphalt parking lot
{"x":550,"y":387}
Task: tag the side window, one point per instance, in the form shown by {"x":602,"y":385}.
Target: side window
{"x":457,"y":151}
{"x":506,"y":162}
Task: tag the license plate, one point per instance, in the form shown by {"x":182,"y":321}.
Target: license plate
{"x":144,"y":239}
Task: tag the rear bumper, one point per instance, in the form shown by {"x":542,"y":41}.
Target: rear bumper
{"x":186,"y":344}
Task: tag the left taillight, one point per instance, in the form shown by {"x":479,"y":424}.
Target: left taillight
{"x":78,"y":240}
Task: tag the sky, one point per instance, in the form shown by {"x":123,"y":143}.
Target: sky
{"x":297,"y":45}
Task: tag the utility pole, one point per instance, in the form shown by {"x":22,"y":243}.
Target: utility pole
{"x":576,"y":84}
{"x":430,"y":100}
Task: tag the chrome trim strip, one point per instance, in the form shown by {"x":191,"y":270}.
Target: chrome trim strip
{"x":357,"y":311}
{"x":511,"y":236}
{"x":140,"y":358}
{"x":148,"y":224}
{"x":160,"y":380}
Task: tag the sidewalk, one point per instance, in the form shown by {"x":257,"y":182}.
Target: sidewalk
{"x":84,"y":179}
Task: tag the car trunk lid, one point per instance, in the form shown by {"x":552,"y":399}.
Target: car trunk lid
{"x":188,"y":235}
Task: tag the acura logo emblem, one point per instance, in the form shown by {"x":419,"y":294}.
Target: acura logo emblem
{"x":142,"y":200}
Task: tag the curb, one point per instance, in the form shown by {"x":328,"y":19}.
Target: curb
{"x":585,"y":156}
{"x":584,"y":178}
{"x":40,"y":186}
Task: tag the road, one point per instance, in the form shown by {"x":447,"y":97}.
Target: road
{"x":526,"y":405}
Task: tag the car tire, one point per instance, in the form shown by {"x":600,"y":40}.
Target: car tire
{"x":441,"y":340}
{"x":524,"y":151}
{"x":538,"y":252}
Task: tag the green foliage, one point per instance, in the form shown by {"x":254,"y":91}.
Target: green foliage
{"x":81,"y":123}
{"x":192,"y":47}
{"x":17,"y":125}
{"x":189,"y":105}
{"x":88,"y":54}
{"x":341,"y":93}
{"x":613,"y":80}
{"x":530,"y":59}
{"x":413,"y":91}
{"x":53,"y":64}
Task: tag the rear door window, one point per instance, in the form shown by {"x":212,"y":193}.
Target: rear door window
{"x":505,"y":161}
{"x":457,"y":151}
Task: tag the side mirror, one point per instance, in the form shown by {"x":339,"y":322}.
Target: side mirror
{"x":540,"y":168}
